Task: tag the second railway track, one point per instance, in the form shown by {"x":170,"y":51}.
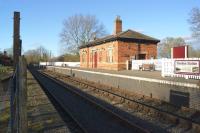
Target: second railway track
{"x":91,"y":114}
{"x":170,"y":118}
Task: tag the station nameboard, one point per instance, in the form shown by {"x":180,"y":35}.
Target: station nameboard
{"x":187,"y":67}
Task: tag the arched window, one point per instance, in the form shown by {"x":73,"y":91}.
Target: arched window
{"x":100,"y":56}
{"x":110,"y":55}
{"x":83,"y":57}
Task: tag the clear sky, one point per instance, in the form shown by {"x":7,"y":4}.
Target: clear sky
{"x":41,"y":20}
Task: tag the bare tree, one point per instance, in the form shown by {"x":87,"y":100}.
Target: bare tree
{"x":32,"y":56}
{"x":194,"y":20}
{"x":79,"y":30}
{"x":164,"y":47}
{"x":193,"y":52}
{"x":43,"y":53}
{"x":37,"y":55}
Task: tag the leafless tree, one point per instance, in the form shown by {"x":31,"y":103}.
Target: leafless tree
{"x":68,"y":58}
{"x":194,"y":20}
{"x":164,"y":47}
{"x":43,"y":53}
{"x":37,"y":55}
{"x":79,"y":30}
{"x":193,"y":52}
{"x":32,"y":56}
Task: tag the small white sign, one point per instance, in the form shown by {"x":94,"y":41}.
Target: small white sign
{"x":187,"y":66}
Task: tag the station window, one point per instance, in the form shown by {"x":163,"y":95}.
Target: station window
{"x":90,"y":57}
{"x":110,"y":55}
{"x":83,"y":57}
{"x":100,"y":56}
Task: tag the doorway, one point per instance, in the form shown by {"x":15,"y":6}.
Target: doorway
{"x":94,"y":60}
{"x":141,"y":56}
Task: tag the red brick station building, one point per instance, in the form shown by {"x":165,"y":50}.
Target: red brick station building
{"x":113,"y":51}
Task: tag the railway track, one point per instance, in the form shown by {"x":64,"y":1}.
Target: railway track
{"x":89,"y":113}
{"x":175,"y":122}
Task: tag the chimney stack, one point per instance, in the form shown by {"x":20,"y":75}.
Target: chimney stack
{"x":117,"y":25}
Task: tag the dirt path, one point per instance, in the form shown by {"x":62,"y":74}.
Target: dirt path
{"x":42,"y":116}
{"x":4,"y":106}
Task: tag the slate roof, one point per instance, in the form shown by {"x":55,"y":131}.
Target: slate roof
{"x":127,"y":36}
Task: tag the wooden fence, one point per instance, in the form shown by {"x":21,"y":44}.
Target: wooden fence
{"x":18,"y":98}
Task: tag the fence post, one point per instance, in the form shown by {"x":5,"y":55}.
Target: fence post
{"x":23,"y":124}
{"x":12,"y":103}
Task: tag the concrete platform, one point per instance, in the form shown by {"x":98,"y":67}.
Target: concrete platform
{"x":178,"y":91}
{"x":144,"y":74}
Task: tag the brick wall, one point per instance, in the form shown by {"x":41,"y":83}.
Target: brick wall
{"x":121,"y":52}
{"x":102,"y":56}
{"x":84,"y":57}
{"x":128,"y":50}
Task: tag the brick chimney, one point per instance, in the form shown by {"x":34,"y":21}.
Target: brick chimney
{"x":117,"y":25}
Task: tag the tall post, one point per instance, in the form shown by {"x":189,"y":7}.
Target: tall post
{"x":13,"y":104}
{"x":16,"y":38}
{"x":20,"y":47}
{"x":22,"y":103}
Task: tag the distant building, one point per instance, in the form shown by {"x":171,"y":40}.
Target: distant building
{"x":5,"y":60}
{"x":112,"y":52}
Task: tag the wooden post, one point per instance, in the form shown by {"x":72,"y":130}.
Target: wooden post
{"x":22,"y":96}
{"x":16,"y":38}
{"x":12,"y":104}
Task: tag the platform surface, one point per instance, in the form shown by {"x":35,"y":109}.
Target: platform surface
{"x":144,"y":74}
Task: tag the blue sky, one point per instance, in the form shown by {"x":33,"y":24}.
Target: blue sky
{"x":41,"y":20}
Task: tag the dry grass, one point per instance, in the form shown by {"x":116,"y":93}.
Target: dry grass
{"x":42,"y":116}
{"x":4,"y":119}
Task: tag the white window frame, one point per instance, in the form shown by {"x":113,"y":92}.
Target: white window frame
{"x":110,"y":55}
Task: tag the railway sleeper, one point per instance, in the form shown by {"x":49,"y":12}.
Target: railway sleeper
{"x":111,"y":97}
{"x":185,"y":123}
{"x":169,"y":118}
{"x":151,"y":113}
{"x":163,"y":116}
{"x":126,"y":101}
{"x":133,"y":105}
{"x":146,"y":110}
{"x":196,"y":127}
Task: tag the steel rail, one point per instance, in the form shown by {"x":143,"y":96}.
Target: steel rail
{"x":58,"y":101}
{"x":135,"y":101}
{"x":77,"y":92}
{"x":96,"y":104}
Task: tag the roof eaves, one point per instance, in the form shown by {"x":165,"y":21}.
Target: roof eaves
{"x":138,"y":40}
{"x":94,"y":43}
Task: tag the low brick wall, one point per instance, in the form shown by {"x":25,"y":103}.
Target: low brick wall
{"x":174,"y":92}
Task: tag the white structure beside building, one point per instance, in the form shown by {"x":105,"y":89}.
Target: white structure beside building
{"x":64,"y":64}
{"x":187,"y":67}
